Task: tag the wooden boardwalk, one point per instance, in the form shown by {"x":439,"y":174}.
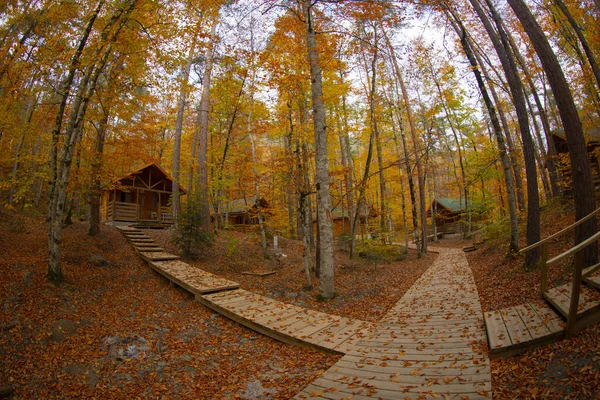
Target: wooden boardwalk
{"x":514,"y":329}
{"x":430,"y":345}
{"x":285,"y":322}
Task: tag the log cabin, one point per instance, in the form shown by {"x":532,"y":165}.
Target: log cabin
{"x":367,"y":221}
{"x":449,"y":213}
{"x":242,"y":214}
{"x":142,"y":196}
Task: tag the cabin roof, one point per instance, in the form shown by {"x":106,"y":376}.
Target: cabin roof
{"x":154,"y":166}
{"x":453,"y":204}
{"x":340,"y":213}
{"x":591,"y":135}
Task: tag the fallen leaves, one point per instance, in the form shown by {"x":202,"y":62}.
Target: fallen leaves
{"x":53,"y":341}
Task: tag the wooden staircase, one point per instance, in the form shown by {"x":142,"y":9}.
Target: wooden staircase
{"x":565,"y":309}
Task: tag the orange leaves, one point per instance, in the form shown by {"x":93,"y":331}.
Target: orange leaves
{"x":187,"y":353}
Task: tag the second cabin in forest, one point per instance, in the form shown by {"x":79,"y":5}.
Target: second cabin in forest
{"x":142,"y":196}
{"x":242,"y":214}
{"x":367,"y":222}
{"x":449,"y":213}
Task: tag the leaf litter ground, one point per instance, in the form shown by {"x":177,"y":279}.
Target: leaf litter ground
{"x":116,"y":329}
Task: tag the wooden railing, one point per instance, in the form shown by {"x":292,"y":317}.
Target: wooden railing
{"x":166,"y":215}
{"x":125,"y":211}
{"x":578,"y":251}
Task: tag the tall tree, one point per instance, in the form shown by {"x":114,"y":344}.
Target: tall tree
{"x":585,"y":201}
{"x":460,"y":30}
{"x":181,"y":103}
{"x":326,"y":289}
{"x":202,"y":190}
{"x":502,"y":48}
{"x":72,"y":134}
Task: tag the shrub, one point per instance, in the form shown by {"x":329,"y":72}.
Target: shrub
{"x":190,"y":234}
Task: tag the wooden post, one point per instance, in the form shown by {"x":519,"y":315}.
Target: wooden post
{"x":544,"y":265}
{"x":114,"y":205}
{"x":159,"y":214}
{"x":575,"y":292}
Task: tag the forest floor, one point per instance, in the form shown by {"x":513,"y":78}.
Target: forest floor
{"x":569,"y":368}
{"x":116,"y":329}
{"x":156,"y":342}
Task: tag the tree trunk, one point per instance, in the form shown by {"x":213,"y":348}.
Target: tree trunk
{"x":183,"y":93}
{"x":510,"y":145}
{"x":96,"y":183}
{"x":73,"y":132}
{"x":373,"y":120}
{"x":586,"y":47}
{"x":502,"y":47}
{"x":416,"y":148}
{"x":326,"y":289}
{"x":65,"y":91}
{"x":201,"y":194}
{"x":550,"y":154}
{"x":497,"y":130}
{"x":585,"y":201}
{"x":400,"y":82}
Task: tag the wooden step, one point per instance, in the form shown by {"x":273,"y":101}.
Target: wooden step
{"x":560,"y":298}
{"x":144,"y":244}
{"x":154,"y":249}
{"x":594,"y":278}
{"x":141,"y":240}
{"x":593,"y":281}
{"x":514,"y":329}
{"x":134,"y":234}
{"x":160,"y":256}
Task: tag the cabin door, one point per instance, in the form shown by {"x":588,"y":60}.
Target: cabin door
{"x":149,"y":204}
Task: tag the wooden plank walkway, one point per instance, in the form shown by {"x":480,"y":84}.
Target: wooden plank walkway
{"x":514,"y":329}
{"x":560,"y":298}
{"x":287,"y":322}
{"x":430,"y":345}
{"x":192,"y":279}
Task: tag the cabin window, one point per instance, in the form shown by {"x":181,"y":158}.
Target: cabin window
{"x":155,"y":201}
{"x":125,"y":197}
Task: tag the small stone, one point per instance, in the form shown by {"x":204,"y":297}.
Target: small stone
{"x":62,"y":328}
{"x":98,"y":260}
{"x":92,"y":379}
{"x":27,"y":280}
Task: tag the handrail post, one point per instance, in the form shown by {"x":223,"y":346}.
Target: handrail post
{"x":544,"y":265}
{"x":575,"y":291}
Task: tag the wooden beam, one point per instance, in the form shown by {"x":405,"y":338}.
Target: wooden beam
{"x":544,"y":263}
{"x":150,"y":190}
{"x":157,"y":183}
